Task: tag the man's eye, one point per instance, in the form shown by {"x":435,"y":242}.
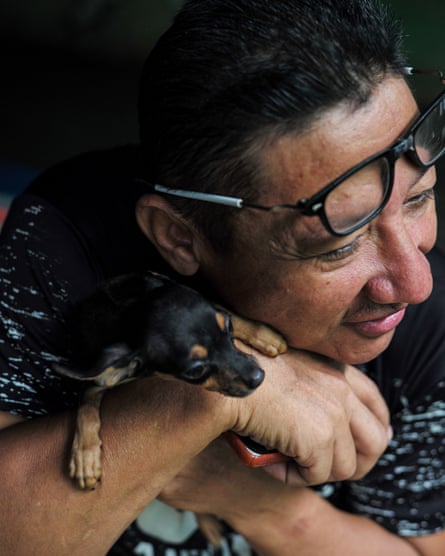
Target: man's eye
{"x":341,"y":252}
{"x":418,"y":201}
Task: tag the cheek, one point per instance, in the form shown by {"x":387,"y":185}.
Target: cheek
{"x":307,"y":309}
{"x":428,"y":230}
{"x":313,"y":316}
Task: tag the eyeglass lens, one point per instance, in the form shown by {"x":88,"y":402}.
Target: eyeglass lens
{"x":361,"y":196}
{"x":429,"y":137}
{"x":344,"y":209}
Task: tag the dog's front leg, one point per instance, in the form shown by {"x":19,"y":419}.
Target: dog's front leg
{"x":85,"y":463}
{"x":258,"y":335}
{"x":210,"y":527}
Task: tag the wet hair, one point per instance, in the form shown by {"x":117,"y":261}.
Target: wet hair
{"x":230,"y":76}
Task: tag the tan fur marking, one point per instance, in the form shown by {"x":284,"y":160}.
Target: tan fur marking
{"x":111,"y":376}
{"x":85,"y":463}
{"x":221,"y":321}
{"x":212,"y":384}
{"x":211,"y":527}
{"x":198,"y":352}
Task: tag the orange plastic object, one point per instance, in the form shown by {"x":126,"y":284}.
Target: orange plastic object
{"x":251,"y":453}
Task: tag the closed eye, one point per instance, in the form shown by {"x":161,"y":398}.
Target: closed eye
{"x":341,"y":252}
{"x":196,"y":372}
{"x":420,"y":200}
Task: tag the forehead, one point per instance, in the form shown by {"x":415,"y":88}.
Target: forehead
{"x":297,"y":166}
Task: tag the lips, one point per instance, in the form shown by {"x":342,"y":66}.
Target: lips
{"x":373,"y":328}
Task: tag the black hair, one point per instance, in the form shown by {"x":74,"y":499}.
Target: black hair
{"x":230,"y":75}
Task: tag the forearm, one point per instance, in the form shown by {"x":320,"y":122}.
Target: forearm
{"x":302,"y":522}
{"x":146,"y":440}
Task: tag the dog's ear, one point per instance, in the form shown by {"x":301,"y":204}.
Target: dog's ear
{"x":173,"y":237}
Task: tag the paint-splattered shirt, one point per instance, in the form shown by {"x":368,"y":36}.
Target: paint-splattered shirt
{"x":75,"y":226}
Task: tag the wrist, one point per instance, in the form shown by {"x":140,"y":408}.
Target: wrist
{"x":273,"y":528}
{"x":156,"y":401}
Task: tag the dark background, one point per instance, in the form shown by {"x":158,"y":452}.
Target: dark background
{"x":69,"y":75}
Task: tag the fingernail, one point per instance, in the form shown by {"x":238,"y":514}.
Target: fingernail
{"x":390,"y":432}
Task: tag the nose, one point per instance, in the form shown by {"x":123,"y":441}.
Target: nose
{"x":254,"y":378}
{"x":404,"y":274}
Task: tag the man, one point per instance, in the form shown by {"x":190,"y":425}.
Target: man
{"x":284,"y":104}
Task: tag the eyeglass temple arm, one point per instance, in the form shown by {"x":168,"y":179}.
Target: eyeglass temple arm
{"x":408,"y":70}
{"x":233,"y":202}
{"x":196,"y":195}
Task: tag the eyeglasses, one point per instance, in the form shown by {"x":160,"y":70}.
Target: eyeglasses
{"x":361,"y":193}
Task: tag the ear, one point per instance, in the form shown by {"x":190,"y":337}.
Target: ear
{"x":173,"y":237}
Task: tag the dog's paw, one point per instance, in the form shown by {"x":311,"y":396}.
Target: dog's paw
{"x":259,"y":336}
{"x":268,"y":342}
{"x":210,"y":527}
{"x":85,"y":464}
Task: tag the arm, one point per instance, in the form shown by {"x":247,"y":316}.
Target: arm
{"x":46,"y":514}
{"x":151,"y":429}
{"x":305,"y":522}
{"x":279,"y":520}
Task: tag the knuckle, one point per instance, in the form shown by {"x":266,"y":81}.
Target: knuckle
{"x":314,"y":475}
{"x":377,"y":443}
{"x":341,"y":388}
{"x":323,"y":435}
{"x":344,"y":471}
{"x":336,"y":417}
{"x":363,"y":468}
{"x":369,"y":385}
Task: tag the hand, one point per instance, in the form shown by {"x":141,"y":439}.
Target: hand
{"x":217,"y":482}
{"x":330,"y":419}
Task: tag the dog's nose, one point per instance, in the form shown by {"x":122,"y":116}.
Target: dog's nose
{"x":255,"y":378}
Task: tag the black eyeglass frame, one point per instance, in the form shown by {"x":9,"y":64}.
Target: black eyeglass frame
{"x":314,"y":206}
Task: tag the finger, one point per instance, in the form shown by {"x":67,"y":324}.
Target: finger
{"x":371,"y":440}
{"x":287,"y":473}
{"x":359,"y":445}
{"x":344,"y":461}
{"x":293,"y":475}
{"x":367,"y":392}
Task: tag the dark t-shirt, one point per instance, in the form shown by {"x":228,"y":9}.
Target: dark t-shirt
{"x":75,"y":226}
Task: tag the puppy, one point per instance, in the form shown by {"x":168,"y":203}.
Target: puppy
{"x":137,"y":325}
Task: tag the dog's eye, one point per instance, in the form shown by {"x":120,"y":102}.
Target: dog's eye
{"x":196,"y":371}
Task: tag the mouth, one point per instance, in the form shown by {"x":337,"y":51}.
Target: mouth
{"x":375,"y":327}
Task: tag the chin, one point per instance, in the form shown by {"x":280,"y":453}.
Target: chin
{"x":364,"y":351}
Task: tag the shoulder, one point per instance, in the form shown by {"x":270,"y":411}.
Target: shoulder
{"x":73,"y":227}
{"x":95,"y":195}
{"x":90,"y":183}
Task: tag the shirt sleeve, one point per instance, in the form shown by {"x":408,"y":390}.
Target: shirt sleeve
{"x":44,"y":267}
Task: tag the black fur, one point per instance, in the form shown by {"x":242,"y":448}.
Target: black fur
{"x":142,"y":324}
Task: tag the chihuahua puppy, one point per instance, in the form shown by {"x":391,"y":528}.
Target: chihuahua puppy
{"x":137,"y":325}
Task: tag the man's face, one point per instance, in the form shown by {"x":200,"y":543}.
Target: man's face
{"x":341,"y":297}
